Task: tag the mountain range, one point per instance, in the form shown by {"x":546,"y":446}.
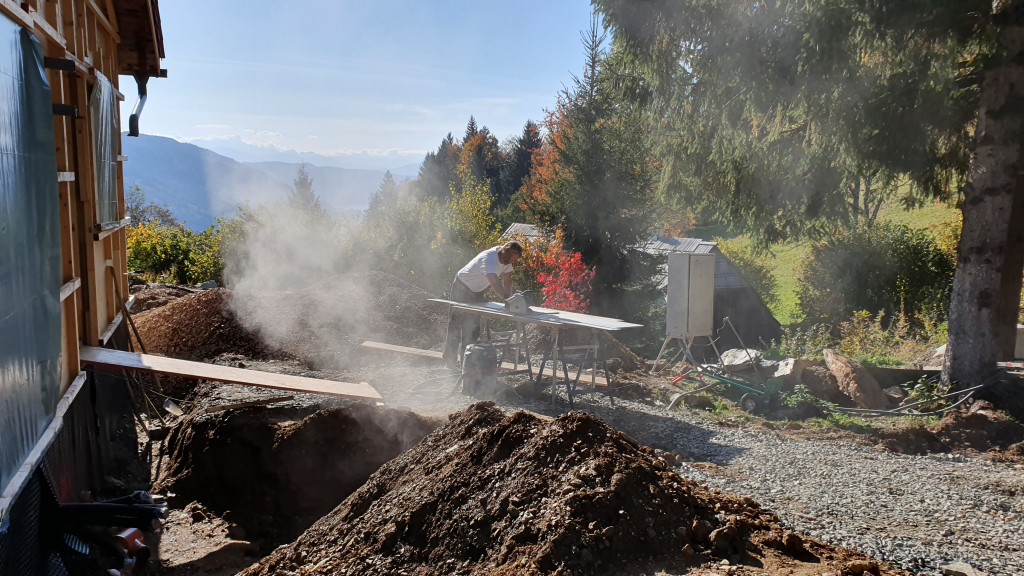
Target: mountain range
{"x":199,"y":185}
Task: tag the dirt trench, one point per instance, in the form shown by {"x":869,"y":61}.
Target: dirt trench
{"x":276,"y":470}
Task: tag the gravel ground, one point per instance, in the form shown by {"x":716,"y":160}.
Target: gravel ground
{"x":916,"y":512}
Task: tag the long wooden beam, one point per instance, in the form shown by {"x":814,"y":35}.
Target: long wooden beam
{"x":200,"y":371}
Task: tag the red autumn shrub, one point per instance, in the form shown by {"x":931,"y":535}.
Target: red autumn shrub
{"x":567,"y":286}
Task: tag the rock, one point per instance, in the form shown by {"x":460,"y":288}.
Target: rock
{"x":674,"y":401}
{"x":855,"y":381}
{"x":821,"y":383}
{"x":858,"y":567}
{"x":792,"y":543}
{"x":723,"y":537}
{"x":791,"y":370}
{"x":769,"y":426}
{"x":936,"y":359}
{"x":688,"y":550}
{"x":895,"y":394}
{"x":208,"y":285}
{"x":739,"y":359}
{"x":794,"y":426}
{"x":698,"y":402}
{"x":614,"y":365}
{"x":959,"y":569}
{"x":981,"y":406}
{"x":586,"y":555}
{"x":700,"y":530}
{"x":680,"y":368}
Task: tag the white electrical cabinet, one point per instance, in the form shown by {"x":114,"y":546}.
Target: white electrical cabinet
{"x":691,"y":295}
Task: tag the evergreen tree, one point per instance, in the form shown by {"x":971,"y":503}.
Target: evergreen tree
{"x":437,"y":174}
{"x":386,"y":196}
{"x":471,"y":130}
{"x":518,"y":163}
{"x":302,"y":197}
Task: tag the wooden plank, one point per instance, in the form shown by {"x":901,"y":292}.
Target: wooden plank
{"x":102,"y":18}
{"x":69,"y":288}
{"x":109,"y":332}
{"x":109,"y":228}
{"x":199,"y":371}
{"x":402,"y":349}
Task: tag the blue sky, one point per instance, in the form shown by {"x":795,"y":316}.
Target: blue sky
{"x":385,"y":77}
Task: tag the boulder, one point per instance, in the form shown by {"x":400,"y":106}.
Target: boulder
{"x":855,"y":381}
{"x":739,"y":359}
{"x":895,"y":394}
{"x":936,"y":359}
{"x":959,"y":569}
{"x":791,"y":370}
{"x":821,"y":383}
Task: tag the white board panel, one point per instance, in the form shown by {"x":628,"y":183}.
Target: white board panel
{"x":678,"y":296}
{"x":701,"y":318}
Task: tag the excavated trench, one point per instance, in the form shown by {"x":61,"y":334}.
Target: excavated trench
{"x":276,"y":470}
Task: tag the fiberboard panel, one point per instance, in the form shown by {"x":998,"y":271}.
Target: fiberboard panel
{"x":701,"y":321}
{"x":678,"y":295}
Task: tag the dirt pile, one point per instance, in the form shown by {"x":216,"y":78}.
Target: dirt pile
{"x":490,"y":493}
{"x":978,"y":429}
{"x":200,"y":326}
{"x":328,"y":320}
{"x":278,"y":469}
{"x":148,"y":297}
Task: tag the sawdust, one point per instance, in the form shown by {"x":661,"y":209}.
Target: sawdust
{"x":491,"y":493}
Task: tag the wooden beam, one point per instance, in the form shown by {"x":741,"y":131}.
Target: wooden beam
{"x":103,"y":20}
{"x":69,"y":288}
{"x":402,"y":350}
{"x":200,"y":371}
{"x":50,"y":32}
{"x":109,"y":332}
{"x":109,"y":228}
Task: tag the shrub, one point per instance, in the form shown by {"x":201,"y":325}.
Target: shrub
{"x":883,"y":268}
{"x":756,"y":269}
{"x":175,"y":254}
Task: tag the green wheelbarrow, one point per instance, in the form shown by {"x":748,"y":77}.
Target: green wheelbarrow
{"x":756,"y":395}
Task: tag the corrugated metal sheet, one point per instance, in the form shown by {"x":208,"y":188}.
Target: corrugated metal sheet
{"x":30,"y":267}
{"x":667,"y":244}
{"x":526,"y":230}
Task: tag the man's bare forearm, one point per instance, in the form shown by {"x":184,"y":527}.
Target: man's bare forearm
{"x":496,"y":286}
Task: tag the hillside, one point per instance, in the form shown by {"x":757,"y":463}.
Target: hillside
{"x":198,"y":185}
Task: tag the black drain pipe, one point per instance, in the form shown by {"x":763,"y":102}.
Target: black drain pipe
{"x":133,"y":120}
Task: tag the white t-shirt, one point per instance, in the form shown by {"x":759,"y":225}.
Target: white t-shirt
{"x":474,"y":274}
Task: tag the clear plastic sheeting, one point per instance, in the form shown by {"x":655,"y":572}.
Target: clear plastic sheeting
{"x":105,"y":134}
{"x":30,"y":265}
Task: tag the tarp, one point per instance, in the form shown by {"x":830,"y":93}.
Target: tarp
{"x":105,"y":135}
{"x":30,"y":265}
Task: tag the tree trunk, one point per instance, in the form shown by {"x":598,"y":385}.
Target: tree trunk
{"x":990,"y":256}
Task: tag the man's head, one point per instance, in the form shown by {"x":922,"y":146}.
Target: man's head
{"x":510,"y":252}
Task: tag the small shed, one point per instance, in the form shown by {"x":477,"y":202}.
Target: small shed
{"x":735,"y":298}
{"x":528,"y":231}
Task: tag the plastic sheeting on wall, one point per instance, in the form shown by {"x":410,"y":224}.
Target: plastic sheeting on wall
{"x":105,"y":135}
{"x":30,"y":265}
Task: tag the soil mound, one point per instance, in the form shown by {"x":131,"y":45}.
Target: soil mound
{"x":155,"y":296}
{"x":279,"y":469}
{"x":200,"y":326}
{"x":978,"y":429}
{"x":490,"y":493}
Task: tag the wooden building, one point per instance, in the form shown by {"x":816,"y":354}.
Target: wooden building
{"x":63,"y":265}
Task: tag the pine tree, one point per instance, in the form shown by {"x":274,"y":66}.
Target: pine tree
{"x":518,"y":163}
{"x":386,"y":196}
{"x":437,"y":173}
{"x":471,"y":130}
{"x":302,"y":197}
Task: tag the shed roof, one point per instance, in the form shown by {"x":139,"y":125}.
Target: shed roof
{"x":668,"y":244}
{"x":525,"y":230}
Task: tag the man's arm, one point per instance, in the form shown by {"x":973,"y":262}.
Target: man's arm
{"x":506,"y":281}
{"x":497,"y":287}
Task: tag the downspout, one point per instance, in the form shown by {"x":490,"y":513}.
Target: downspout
{"x":133,"y":120}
